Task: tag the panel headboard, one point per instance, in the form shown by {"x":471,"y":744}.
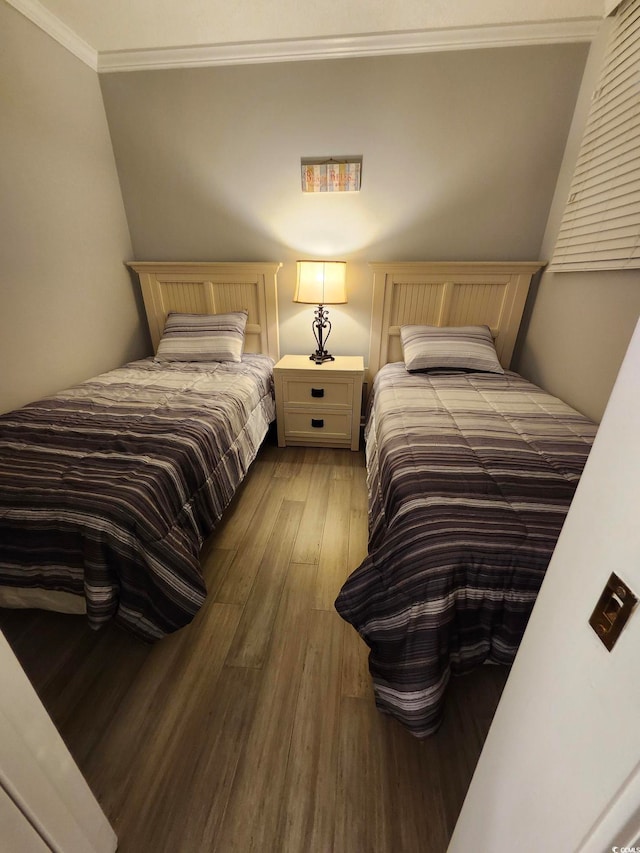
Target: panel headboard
{"x":213,"y":288}
{"x":447,"y":294}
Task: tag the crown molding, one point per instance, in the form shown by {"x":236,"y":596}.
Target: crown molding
{"x":292,"y":50}
{"x":54,"y":27}
{"x":339,"y":47}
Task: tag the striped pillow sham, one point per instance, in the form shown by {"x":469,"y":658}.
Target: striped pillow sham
{"x":203,"y":337}
{"x":449,"y":348}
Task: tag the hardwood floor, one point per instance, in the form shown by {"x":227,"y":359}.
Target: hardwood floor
{"x":254,"y":728}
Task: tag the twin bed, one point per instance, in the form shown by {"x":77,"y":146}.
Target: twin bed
{"x":108,"y":490}
{"x":471,"y":470}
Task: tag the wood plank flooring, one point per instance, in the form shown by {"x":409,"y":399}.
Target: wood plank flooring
{"x":254,"y":728}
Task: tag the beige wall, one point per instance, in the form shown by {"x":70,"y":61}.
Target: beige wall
{"x":577,"y":325}
{"x":580,"y":327}
{"x":461,"y":154}
{"x":68,"y":308}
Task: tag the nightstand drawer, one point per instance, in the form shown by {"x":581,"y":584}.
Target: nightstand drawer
{"x":318,"y":392}
{"x":317,"y":426}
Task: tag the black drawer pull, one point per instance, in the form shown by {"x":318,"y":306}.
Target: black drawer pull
{"x":318,"y":423}
{"x":317,"y":392}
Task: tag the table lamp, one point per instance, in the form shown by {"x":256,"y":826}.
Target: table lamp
{"x":321,"y":283}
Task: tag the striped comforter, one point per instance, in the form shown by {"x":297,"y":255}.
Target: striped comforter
{"x":107,"y":490}
{"x":470,"y":478}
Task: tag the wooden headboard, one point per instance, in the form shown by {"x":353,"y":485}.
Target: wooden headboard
{"x":447,"y":294}
{"x":213,"y":288}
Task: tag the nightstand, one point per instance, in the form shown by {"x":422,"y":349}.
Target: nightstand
{"x":318,"y":405}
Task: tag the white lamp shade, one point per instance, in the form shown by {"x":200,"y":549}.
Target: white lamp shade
{"x":321,"y":282}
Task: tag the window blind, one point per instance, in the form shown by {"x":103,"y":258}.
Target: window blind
{"x":600,"y":227}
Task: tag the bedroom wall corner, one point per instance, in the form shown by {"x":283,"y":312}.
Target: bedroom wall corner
{"x":68,"y":306}
{"x":578,"y":333}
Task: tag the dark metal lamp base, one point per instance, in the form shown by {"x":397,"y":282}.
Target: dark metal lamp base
{"x":321,"y":357}
{"x":321,"y":323}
